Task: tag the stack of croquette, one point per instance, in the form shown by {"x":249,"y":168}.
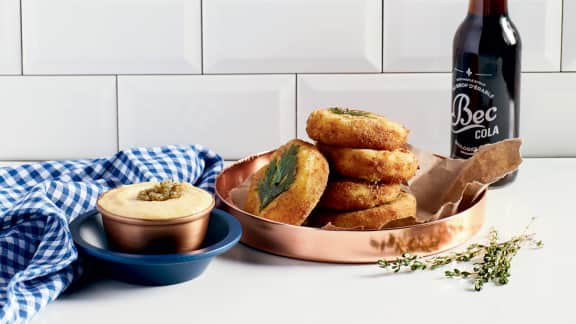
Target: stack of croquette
{"x":369,"y":162}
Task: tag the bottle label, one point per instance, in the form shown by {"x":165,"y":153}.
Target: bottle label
{"x":480,"y":105}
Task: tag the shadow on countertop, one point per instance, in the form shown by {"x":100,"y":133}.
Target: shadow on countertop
{"x":95,"y":283}
{"x":245,"y":254}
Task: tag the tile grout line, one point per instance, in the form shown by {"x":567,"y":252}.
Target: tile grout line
{"x":232,"y":160}
{"x":21,"y":42}
{"x":390,"y":73}
{"x":296,"y":104}
{"x":562,"y":37}
{"x":382,"y":37}
{"x":117,"y":117}
{"x":201,"y":37}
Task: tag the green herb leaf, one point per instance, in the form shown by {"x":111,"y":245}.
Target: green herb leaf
{"x":491,"y":262}
{"x":165,"y":190}
{"x":278,"y":177}
{"x":350,"y":112}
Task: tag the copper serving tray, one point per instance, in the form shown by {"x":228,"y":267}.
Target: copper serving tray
{"x":316,"y":244}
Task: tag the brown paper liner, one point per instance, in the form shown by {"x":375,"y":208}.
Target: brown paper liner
{"x":446,"y":186}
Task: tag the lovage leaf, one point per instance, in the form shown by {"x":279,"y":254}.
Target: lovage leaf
{"x":279,"y":176}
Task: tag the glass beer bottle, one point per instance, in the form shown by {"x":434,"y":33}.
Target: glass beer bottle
{"x":486,"y":79}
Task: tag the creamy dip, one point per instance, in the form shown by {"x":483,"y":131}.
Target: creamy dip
{"x":122,"y":201}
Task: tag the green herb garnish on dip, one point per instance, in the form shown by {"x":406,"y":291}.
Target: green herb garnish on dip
{"x":165,"y":190}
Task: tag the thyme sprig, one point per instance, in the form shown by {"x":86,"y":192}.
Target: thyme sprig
{"x":349,"y":112}
{"x":490,"y":263}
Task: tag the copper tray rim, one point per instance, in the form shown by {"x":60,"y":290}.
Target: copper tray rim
{"x":231,"y":204}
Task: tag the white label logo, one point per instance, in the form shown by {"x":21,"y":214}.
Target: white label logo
{"x":464,"y":119}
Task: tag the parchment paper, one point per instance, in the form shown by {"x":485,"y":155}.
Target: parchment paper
{"x":443,"y":186}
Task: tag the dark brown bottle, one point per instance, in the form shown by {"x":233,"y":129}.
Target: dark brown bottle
{"x":486,"y":79}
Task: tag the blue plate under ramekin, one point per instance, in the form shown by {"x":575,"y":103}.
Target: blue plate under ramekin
{"x":224,"y":231}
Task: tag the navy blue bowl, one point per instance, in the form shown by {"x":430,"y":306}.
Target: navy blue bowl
{"x":224,"y":231}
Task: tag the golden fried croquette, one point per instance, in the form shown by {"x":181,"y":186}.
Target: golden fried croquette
{"x":351,"y":194}
{"x":386,"y":166}
{"x":368,"y":219}
{"x":355,"y":128}
{"x":290,"y":186}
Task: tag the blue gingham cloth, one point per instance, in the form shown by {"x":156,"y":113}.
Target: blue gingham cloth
{"x":37,"y":201}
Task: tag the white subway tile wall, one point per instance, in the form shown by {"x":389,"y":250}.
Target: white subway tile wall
{"x":548,"y":114}
{"x":241,"y":76}
{"x":111,"y":36}
{"x":569,"y":51}
{"x":10,"y":37}
{"x":419,"y":101}
{"x":234,"y":115}
{"x":60,"y":117}
{"x":246,"y":36}
{"x":540,"y":25}
{"x":418,"y":34}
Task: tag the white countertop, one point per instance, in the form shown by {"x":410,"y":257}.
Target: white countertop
{"x":247,"y":286}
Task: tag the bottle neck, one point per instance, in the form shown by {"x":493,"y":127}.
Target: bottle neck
{"x":488,"y":8}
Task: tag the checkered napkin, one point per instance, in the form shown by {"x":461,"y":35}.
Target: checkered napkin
{"x":37,"y":201}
